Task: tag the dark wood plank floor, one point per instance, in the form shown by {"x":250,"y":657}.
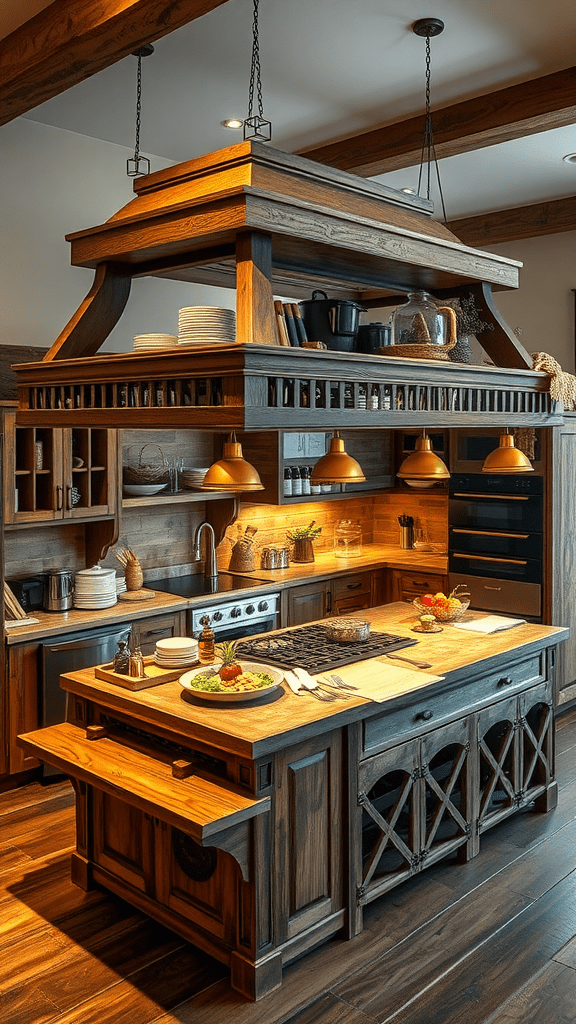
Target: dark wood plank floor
{"x":488,"y":942}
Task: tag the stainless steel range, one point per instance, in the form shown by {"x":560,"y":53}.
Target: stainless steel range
{"x":241,"y":617}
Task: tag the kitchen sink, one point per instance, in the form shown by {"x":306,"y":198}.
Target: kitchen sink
{"x":198,"y":586}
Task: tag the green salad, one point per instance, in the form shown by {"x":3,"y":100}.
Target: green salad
{"x":211,"y":682}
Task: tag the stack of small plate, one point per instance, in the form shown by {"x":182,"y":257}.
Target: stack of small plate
{"x":206,"y":325}
{"x":95,"y":588}
{"x":146,"y":342}
{"x":192,"y":478}
{"x":176,"y":652}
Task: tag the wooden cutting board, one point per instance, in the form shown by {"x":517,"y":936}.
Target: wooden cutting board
{"x":379,"y":680}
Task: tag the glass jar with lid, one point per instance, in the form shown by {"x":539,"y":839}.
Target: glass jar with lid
{"x":347,"y":539}
{"x":421,"y":322}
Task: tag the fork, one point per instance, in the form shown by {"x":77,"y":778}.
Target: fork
{"x":340,"y":684}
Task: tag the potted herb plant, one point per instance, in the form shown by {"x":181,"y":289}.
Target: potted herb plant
{"x":301,"y":539}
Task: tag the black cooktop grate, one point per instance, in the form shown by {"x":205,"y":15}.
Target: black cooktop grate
{"x":309,"y":647}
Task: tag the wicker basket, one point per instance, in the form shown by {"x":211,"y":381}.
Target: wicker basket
{"x":418,"y":351}
{"x":450,"y":615}
{"x":140,"y":472}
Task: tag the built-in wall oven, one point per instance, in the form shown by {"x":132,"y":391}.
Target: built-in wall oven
{"x":495,"y":544}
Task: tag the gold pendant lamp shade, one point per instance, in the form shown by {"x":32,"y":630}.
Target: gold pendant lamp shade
{"x":232,"y":472}
{"x":337,"y":467}
{"x":423,"y":468}
{"x":506,"y":458}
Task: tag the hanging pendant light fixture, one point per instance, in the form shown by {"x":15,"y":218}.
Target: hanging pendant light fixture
{"x":232,"y":472}
{"x":255,"y":125}
{"x":506,"y":458}
{"x":423,"y":468}
{"x":138,"y":165}
{"x":337,"y":467}
{"x":428,"y":27}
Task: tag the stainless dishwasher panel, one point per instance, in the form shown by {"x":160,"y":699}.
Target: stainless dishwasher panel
{"x":69,"y":653}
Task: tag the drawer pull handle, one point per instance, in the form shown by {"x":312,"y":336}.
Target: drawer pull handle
{"x":353,"y":586}
{"x":154,"y":632}
{"x":505,"y":681}
{"x":424,"y":715}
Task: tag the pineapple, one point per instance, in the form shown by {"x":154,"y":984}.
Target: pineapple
{"x":226,"y":653}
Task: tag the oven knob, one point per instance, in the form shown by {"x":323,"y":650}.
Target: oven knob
{"x":250,"y":609}
{"x":236,"y":612}
{"x":263,"y":606}
{"x":217,"y":617}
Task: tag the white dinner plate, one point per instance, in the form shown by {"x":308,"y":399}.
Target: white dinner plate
{"x":187,"y":682}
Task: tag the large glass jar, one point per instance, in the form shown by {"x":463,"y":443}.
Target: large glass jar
{"x":421,"y":322}
{"x":347,"y":539}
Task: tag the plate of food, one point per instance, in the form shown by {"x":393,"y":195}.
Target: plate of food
{"x":231,"y":680}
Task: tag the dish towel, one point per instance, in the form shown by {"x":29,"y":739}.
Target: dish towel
{"x":489,"y":624}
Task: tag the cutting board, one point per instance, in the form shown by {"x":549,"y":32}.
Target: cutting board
{"x":379,"y":680}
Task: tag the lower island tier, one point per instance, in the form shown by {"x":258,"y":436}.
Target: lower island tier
{"x":258,"y":830}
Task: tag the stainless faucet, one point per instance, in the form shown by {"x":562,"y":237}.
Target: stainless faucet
{"x":210,"y":564}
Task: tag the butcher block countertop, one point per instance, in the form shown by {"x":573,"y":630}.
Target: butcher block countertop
{"x":252,"y":730}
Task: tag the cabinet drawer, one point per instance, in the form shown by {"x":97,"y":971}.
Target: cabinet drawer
{"x":412,"y":584}
{"x":427,"y":712}
{"x":350,"y":586}
{"x":148,"y":631}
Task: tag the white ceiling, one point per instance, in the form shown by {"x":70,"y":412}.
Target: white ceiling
{"x":331,"y":68}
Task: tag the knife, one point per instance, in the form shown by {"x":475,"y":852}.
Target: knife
{"x":411,"y":661}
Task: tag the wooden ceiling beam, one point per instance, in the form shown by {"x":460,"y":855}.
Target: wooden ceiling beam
{"x":68,"y":42}
{"x":523,"y":222}
{"x":506,"y":114}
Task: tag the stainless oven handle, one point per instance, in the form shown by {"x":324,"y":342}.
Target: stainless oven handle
{"x":493,"y":497}
{"x":490,"y":533}
{"x":488,"y":558}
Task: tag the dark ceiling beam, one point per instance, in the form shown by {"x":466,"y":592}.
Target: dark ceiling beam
{"x":523,"y":222}
{"x":511,"y":113}
{"x":68,"y":42}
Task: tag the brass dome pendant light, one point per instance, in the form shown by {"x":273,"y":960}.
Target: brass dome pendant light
{"x":337,"y":467}
{"x":423,"y":468}
{"x":232,"y":472}
{"x":506,"y":458}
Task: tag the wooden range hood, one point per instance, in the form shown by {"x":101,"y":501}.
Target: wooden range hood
{"x":267,"y":223}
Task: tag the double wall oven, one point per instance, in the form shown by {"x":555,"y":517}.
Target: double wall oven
{"x":495,"y":544}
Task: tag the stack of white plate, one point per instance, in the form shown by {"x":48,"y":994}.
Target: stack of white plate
{"x":192,"y":478}
{"x":206,"y":325}
{"x":145,"y":342}
{"x":120,"y":584}
{"x":95,"y":588}
{"x":176,"y":652}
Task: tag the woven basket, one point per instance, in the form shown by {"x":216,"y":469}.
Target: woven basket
{"x":417,"y":351}
{"x":140,"y":472}
{"x":452,"y":615}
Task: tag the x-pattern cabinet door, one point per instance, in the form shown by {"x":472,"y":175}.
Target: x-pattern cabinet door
{"x":446,"y":791}
{"x":498,"y":769}
{"x":536,"y":744}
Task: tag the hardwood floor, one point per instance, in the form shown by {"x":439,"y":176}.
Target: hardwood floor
{"x":492,"y":941}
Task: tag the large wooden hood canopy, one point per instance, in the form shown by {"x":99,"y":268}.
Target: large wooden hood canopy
{"x":267,"y":223}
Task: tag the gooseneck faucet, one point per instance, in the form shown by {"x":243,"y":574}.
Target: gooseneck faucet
{"x":210,"y":563}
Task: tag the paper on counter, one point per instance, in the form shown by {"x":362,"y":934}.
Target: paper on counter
{"x":380,"y":681}
{"x":489,"y":624}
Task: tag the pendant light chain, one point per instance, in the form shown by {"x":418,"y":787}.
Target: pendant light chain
{"x":255,"y":125}
{"x":138,"y":165}
{"x":429,"y":27}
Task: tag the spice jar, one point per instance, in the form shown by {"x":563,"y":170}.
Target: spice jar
{"x":206,"y":652}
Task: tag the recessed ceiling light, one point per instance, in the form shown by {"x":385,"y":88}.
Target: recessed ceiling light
{"x":409,"y":191}
{"x":232,"y":122}
{"x":570,"y":158}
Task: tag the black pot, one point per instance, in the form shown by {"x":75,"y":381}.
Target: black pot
{"x":371,"y":337}
{"x":333,"y":321}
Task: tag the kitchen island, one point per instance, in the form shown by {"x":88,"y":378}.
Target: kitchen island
{"x":258,"y":831}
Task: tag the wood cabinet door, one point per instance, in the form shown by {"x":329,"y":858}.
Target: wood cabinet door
{"x":124,"y":842}
{"x":308,"y":602}
{"x":351,"y":593}
{"x":310,"y":835}
{"x":23,"y":702}
{"x":536,"y":720}
{"x":497,"y":780}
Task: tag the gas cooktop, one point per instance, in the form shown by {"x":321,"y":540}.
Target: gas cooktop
{"x":309,"y":647}
{"x":198,"y":586}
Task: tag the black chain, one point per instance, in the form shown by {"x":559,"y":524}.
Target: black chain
{"x":255,"y":67}
{"x":138,"y":109}
{"x":428,"y":155}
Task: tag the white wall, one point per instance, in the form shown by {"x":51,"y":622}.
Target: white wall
{"x":52,"y":183}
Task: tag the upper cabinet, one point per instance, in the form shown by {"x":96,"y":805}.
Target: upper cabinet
{"x":58,"y":474}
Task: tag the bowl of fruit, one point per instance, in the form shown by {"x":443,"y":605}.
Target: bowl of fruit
{"x":444,"y":608}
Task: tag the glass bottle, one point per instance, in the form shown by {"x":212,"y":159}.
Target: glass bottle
{"x":287,"y":482}
{"x":305,"y":474}
{"x":206,"y":652}
{"x":296,"y":481}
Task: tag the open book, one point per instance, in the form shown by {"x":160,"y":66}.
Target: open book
{"x":489,"y":624}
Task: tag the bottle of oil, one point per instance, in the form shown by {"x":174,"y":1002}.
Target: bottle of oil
{"x":206,"y":653}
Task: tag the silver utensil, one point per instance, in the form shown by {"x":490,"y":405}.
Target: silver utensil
{"x":310,"y":685}
{"x":411,"y":661}
{"x":339,"y":682}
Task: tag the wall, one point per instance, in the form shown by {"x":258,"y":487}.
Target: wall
{"x":52,"y":183}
